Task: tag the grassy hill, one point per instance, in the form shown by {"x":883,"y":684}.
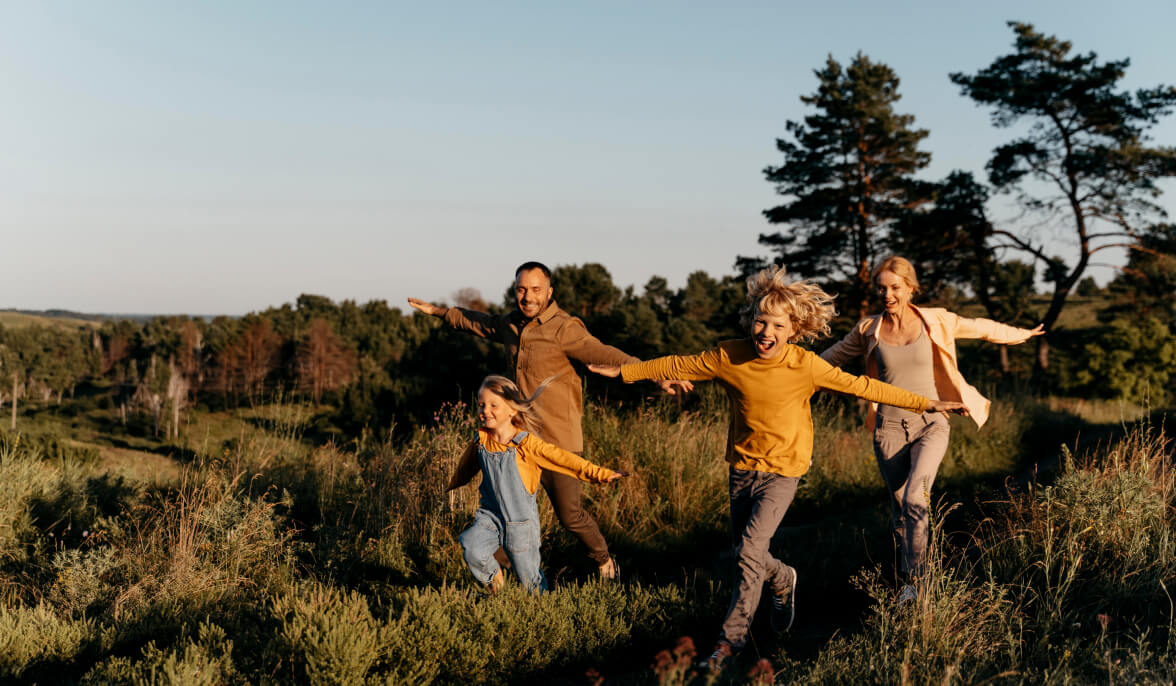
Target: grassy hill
{"x":16,"y":319}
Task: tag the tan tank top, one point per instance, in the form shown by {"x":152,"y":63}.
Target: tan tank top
{"x":909,"y":367}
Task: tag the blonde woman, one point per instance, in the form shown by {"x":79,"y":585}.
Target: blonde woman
{"x":511,"y":459}
{"x":914,"y":348}
{"x":769,"y":381}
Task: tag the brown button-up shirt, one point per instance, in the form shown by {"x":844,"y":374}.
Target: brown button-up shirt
{"x":540,"y":348}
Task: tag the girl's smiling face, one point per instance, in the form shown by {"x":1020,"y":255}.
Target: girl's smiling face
{"x":495,"y":412}
{"x":770,"y":332}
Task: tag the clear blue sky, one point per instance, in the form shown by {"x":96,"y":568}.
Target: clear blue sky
{"x":221,"y":157}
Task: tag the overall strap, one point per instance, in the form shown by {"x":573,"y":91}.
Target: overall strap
{"x":518,"y":439}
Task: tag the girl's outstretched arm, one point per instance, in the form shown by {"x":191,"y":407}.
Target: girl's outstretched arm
{"x":467,"y":467}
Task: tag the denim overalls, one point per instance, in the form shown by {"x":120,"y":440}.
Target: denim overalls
{"x":507,"y":516}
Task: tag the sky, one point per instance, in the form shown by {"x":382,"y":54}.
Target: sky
{"x":222,"y":157}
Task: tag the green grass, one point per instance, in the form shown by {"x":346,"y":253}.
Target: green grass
{"x":261,"y":558}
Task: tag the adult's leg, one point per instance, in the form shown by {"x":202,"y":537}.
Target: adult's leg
{"x":893,"y":454}
{"x":564,"y":492}
{"x":478,"y":544}
{"x":758,"y":503}
{"x":926,"y":454}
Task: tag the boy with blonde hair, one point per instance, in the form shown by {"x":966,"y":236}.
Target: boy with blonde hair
{"x":769,"y":381}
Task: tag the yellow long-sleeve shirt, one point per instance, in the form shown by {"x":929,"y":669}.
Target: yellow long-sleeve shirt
{"x":771,"y":428}
{"x":532,"y":455}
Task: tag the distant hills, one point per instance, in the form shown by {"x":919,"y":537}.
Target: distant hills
{"x":69,"y":319}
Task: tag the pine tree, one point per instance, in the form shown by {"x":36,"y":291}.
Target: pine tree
{"x":1084,"y":154}
{"x":848,"y":176}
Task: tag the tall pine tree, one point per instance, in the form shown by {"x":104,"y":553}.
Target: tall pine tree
{"x":847,"y":176}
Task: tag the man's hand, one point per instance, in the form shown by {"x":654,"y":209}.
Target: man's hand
{"x":675,"y":387}
{"x":947,"y":406}
{"x":427,"y":308}
{"x":612,"y":371}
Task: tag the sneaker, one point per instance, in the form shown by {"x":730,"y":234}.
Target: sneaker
{"x":722,"y":651}
{"x":784,"y":603}
{"x":907,"y":595}
{"x":496,"y":582}
{"x":611,"y":570}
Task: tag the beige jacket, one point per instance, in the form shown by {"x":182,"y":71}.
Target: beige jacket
{"x":942,"y":327}
{"x":540,"y":348}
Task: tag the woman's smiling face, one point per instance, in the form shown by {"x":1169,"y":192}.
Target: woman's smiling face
{"x":894,"y":291}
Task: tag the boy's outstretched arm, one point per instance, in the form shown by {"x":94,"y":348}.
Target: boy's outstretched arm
{"x":946,"y":406}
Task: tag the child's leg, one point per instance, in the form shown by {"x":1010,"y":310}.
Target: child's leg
{"x":478,"y":544}
{"x":521,"y":540}
{"x":758,"y":503}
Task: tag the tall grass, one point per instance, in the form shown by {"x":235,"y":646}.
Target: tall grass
{"x":273,"y":561}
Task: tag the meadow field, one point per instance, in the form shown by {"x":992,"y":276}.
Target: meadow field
{"x":242,"y":552}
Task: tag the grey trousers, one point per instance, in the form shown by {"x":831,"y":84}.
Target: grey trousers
{"x":909,"y":452}
{"x":758,"y":503}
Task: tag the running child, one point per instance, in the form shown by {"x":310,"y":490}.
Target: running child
{"x":769,"y":381}
{"x":511,"y":459}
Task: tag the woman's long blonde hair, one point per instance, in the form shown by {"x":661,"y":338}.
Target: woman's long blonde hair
{"x":526,"y":417}
{"x":808,"y":305}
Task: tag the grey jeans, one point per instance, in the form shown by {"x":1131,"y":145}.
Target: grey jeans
{"x":909,"y":452}
{"x":758,"y":503}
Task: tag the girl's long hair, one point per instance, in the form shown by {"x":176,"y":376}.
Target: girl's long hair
{"x":528,"y":416}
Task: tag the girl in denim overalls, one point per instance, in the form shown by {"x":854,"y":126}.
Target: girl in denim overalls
{"x":511,"y":460}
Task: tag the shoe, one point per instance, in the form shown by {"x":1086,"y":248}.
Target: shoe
{"x":784,"y":603}
{"x":496,"y":583}
{"x":611,"y":570}
{"x":907,"y":595}
{"x":722,"y":651}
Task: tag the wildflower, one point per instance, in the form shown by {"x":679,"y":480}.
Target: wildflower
{"x":762,"y":673}
{"x":662,"y":661}
{"x":1104,"y":620}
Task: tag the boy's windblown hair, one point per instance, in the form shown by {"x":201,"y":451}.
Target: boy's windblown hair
{"x":527,"y":417}
{"x":808,"y":306}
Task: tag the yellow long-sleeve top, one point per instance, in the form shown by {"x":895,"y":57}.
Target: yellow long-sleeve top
{"x":532,"y":455}
{"x":771,"y":428}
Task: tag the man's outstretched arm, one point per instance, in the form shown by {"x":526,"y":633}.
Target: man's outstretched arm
{"x":470,"y":321}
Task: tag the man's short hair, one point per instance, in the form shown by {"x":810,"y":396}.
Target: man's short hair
{"x":528,"y":266}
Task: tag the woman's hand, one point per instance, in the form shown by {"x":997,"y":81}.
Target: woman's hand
{"x":947,"y":406}
{"x":1037,"y":330}
{"x":615,"y":476}
{"x":612,"y":371}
